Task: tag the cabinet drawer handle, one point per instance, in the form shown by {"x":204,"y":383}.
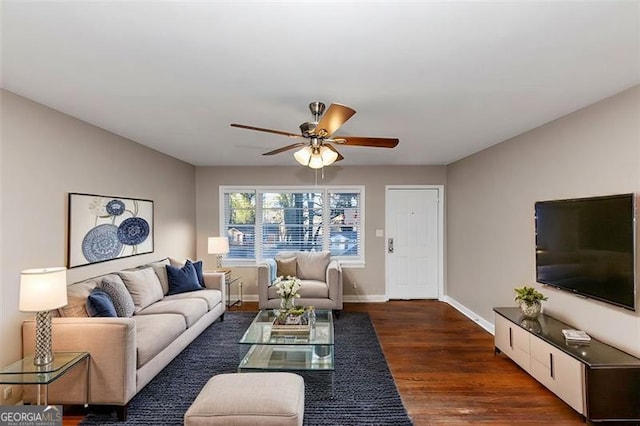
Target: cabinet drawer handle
{"x":551,"y":365}
{"x":510,"y":339}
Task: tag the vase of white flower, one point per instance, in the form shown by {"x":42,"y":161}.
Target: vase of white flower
{"x":286,"y":303}
{"x":288,"y":289}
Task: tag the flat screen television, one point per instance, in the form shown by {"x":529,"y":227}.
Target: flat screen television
{"x":587,"y":246}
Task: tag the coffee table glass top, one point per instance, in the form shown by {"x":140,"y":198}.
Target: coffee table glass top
{"x":260,"y":331}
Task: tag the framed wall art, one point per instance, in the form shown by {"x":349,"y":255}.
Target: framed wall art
{"x":103,"y":228}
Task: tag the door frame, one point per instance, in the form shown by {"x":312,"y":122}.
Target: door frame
{"x":440,"y":248}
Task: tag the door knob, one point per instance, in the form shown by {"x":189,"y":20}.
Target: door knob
{"x":390,"y":245}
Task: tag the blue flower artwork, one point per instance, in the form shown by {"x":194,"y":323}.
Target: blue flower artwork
{"x":103,"y":228}
{"x":133,"y":231}
{"x":101,"y":243}
{"x":115,"y":207}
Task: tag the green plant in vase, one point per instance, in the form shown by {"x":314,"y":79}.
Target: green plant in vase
{"x":529,"y":299}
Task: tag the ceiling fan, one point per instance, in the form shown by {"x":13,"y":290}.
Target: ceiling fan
{"x":318,"y":151}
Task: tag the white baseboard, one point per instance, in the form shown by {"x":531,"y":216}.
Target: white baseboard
{"x":380,"y":298}
{"x":350,"y":298}
{"x":470,"y":314}
{"x":369,"y":298}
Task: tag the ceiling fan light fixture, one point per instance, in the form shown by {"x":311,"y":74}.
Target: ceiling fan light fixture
{"x":319,"y":150}
{"x":316,"y":161}
{"x":328,"y":156}
{"x":303,"y":155}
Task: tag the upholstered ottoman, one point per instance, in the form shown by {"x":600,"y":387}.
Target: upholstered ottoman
{"x":249,"y":399}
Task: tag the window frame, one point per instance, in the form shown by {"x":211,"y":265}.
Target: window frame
{"x":352,"y":261}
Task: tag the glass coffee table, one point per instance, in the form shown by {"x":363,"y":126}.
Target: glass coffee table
{"x":263,"y":349}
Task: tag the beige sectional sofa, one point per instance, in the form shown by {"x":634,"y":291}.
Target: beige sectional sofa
{"x":127,"y":352}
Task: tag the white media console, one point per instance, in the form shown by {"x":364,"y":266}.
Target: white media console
{"x":600,"y":382}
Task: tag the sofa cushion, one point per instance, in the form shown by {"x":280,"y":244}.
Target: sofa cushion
{"x":183,"y":279}
{"x":191,"y":309}
{"x":161,"y":272}
{"x":313,"y":265}
{"x":99,"y":304}
{"x":74,"y":308}
{"x":154,"y":333}
{"x":176,"y":262}
{"x":144,"y":287}
{"x":211,"y":296}
{"x":310,"y":289}
{"x":287,"y":267}
{"x":117,"y":291}
{"x":77,"y":294}
{"x":198,"y":265}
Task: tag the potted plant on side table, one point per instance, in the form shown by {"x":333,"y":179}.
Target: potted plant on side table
{"x":529,"y":299}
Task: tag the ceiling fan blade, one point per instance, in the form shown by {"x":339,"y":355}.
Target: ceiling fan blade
{"x":340,"y":157}
{"x":260,"y":129}
{"x":332,"y":119}
{"x":285,"y":148}
{"x":363,"y":141}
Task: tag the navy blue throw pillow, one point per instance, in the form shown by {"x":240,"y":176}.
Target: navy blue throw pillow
{"x":182,"y":280}
{"x":198,"y":266}
{"x":99,"y":304}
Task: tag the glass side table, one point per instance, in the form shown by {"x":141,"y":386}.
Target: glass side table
{"x":231,"y":300}
{"x":229,"y":282}
{"x":24,"y":372}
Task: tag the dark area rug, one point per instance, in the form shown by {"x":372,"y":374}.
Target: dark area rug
{"x":364,"y":393}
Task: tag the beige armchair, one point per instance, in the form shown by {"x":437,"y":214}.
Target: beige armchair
{"x":321,"y":279}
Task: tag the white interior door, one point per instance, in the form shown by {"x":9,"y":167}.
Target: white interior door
{"x":413,"y":243}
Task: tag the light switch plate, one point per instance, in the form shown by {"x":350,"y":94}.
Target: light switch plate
{"x":379,"y":233}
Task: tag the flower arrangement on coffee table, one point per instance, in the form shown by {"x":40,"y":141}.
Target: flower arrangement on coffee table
{"x":287,"y":289}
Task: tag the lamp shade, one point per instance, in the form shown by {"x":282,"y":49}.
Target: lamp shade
{"x":43,"y":289}
{"x":316,"y":161}
{"x":218,"y":245}
{"x":303,"y":155}
{"x":328,"y":155}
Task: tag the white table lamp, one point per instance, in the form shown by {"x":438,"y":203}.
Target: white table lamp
{"x":42,"y":290}
{"x":218,"y":246}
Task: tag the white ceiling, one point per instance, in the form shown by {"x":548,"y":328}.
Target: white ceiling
{"x":447,"y":78}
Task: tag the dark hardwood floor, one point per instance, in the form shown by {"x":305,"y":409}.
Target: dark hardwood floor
{"x":446,"y":370}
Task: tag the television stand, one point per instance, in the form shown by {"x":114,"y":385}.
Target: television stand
{"x":600,"y":382}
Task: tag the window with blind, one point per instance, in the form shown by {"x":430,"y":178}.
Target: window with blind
{"x":260,"y":222}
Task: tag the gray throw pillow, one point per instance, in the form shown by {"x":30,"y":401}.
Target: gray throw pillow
{"x":161,"y":271}
{"x":144,"y":287}
{"x":120,"y":296}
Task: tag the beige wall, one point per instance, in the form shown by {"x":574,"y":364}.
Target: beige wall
{"x":370,"y":279}
{"x":490,"y":202}
{"x":46,"y":155}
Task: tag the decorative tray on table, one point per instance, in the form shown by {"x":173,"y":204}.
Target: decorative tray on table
{"x":291,"y":326}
